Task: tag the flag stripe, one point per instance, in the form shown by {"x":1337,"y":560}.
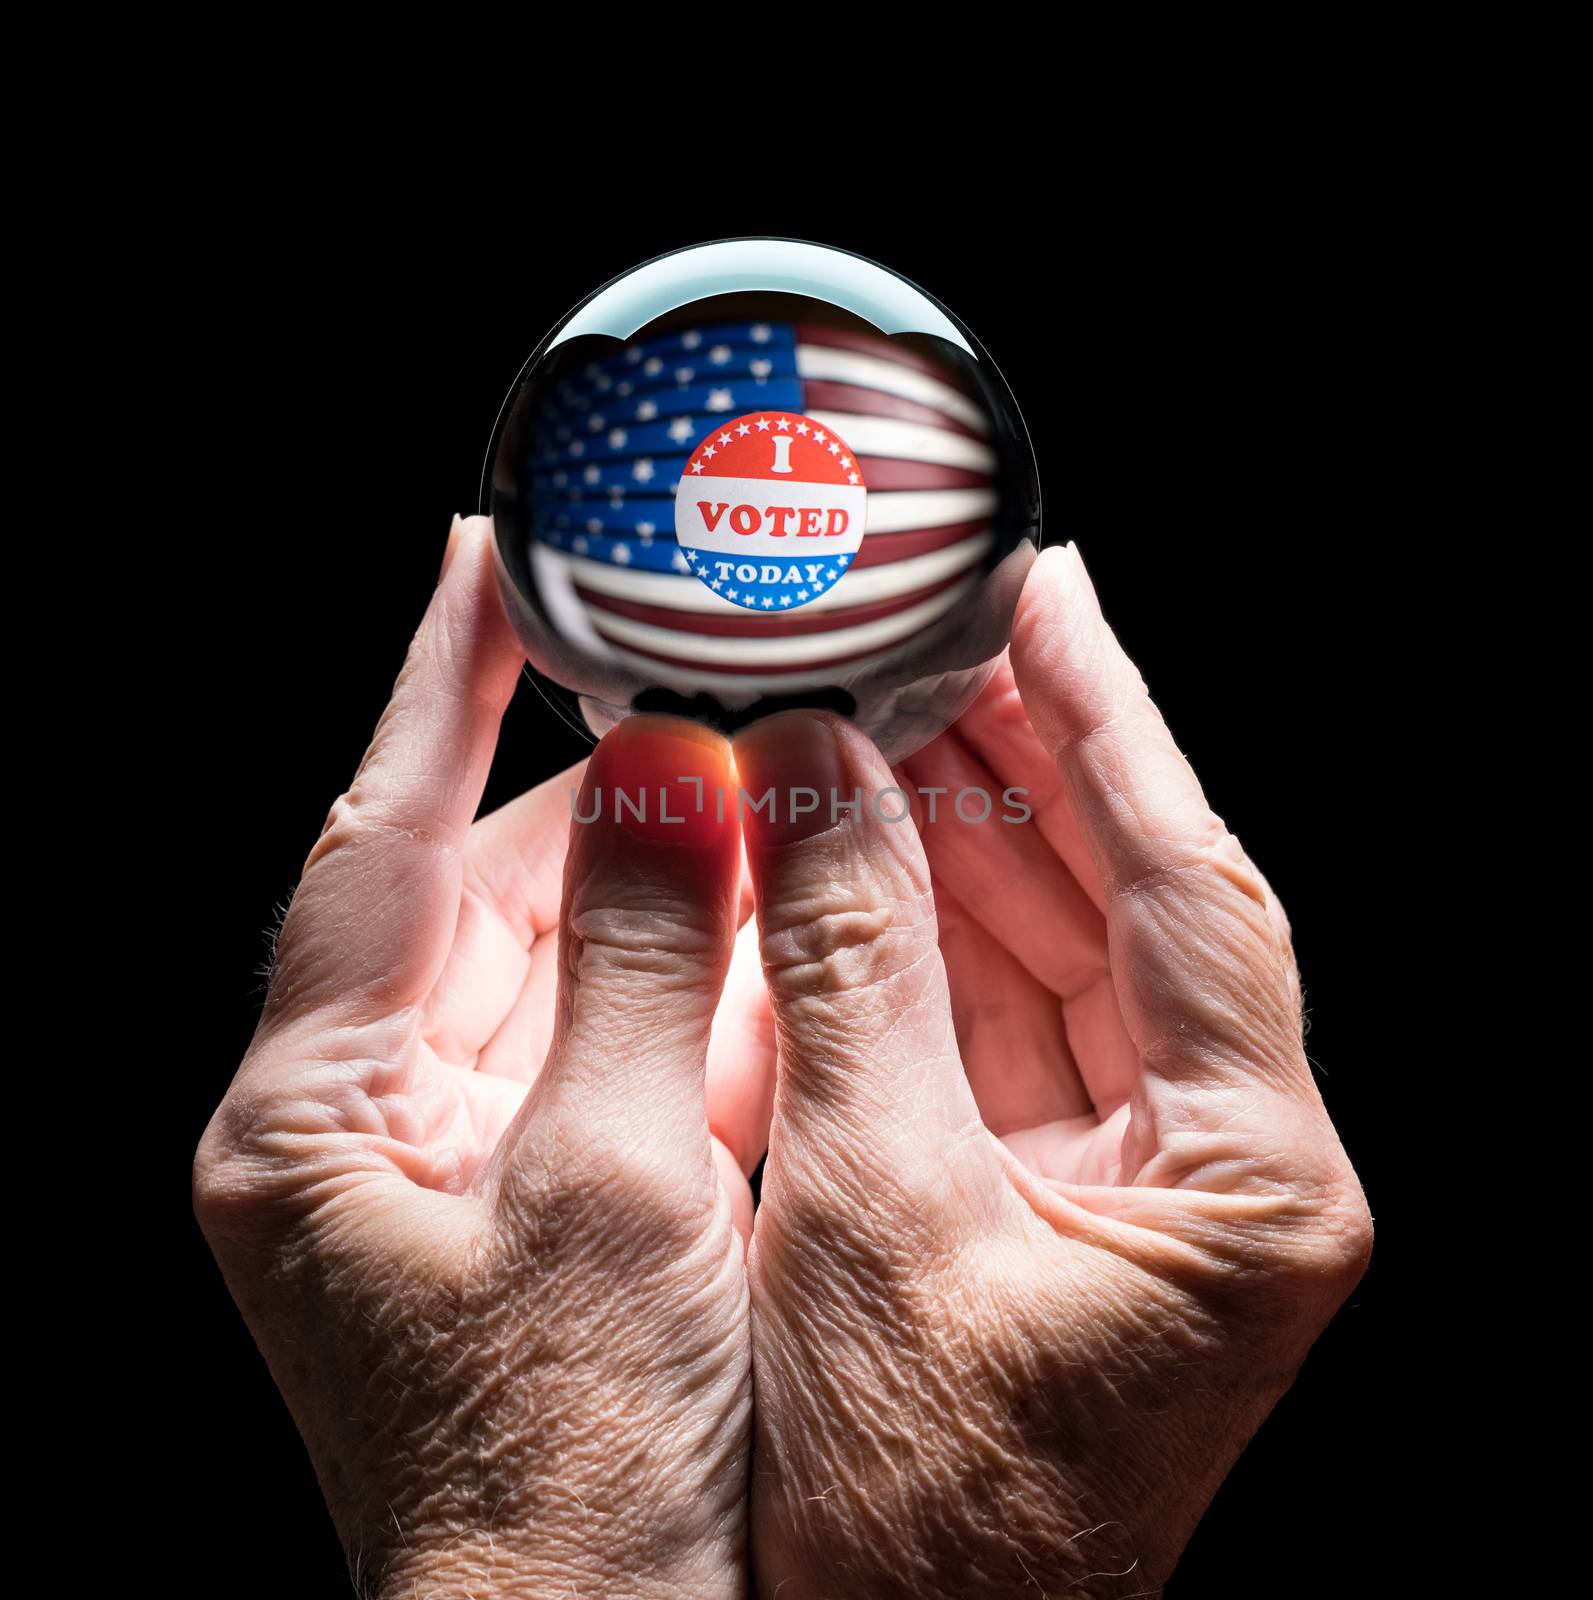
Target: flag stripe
{"x":888,"y":377}
{"x":744,"y":624}
{"x":692,"y":677}
{"x":778,"y":654}
{"x":875,"y":403}
{"x":906,"y":441}
{"x":868,"y":344}
{"x":909,"y":509}
{"x":899,"y":511}
{"x":683,"y":592}
{"x":656,"y":477}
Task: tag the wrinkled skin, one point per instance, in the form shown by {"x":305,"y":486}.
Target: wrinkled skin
{"x":506,"y":1305}
{"x":1052,"y":1209}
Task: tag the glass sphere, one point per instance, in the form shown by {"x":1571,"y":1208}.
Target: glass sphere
{"x":761,"y":474}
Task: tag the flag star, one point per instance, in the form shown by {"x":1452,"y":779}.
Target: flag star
{"x":851,"y":477}
{"x":646,"y":411}
{"x":593,"y":474}
{"x":709,"y":451}
{"x":834,"y":448}
{"x":616,"y":496}
{"x":578,"y":545}
{"x":725,"y":438}
{"x":604,"y":384}
{"x":578,"y":448}
{"x":594,"y":525}
{"x":785,"y":599}
{"x":719,"y":355}
{"x":818,"y":585}
{"x":622,"y":554}
{"x":594,"y":423}
{"x":802,"y":428}
{"x":761,"y":368}
{"x":845,"y":462}
{"x":802,"y":594}
{"x":819,"y":436}
{"x":616,"y":439}
{"x":690,"y":339}
{"x":696,"y":466}
{"x":743,"y":431}
{"x":633,"y":353}
{"x":647,"y":529}
{"x":680,"y":429}
{"x":830,"y":574}
{"x":623,"y":389}
{"x":768,"y":604}
{"x":683,"y":376}
{"x":760,"y":333}
{"x":763,"y":424}
{"x":734,"y":594}
{"x":718,"y":583}
{"x":719,"y":400}
{"x":642,"y":472}
{"x":654,"y":367}
{"x":783,"y":425}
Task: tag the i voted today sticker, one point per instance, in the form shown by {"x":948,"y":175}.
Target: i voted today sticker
{"x":770,"y":510}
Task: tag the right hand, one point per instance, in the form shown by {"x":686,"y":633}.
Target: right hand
{"x":1041,"y":1244}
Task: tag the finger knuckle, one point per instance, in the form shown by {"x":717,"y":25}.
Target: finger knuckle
{"x":361,"y":817}
{"x":1334,"y":1247}
{"x":647,"y":932}
{"x":832,"y":943}
{"x":225,"y":1198}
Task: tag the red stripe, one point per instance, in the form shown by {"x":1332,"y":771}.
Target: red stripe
{"x":880,"y":549}
{"x":886,"y":349}
{"x":880,"y":472}
{"x":757,"y":625}
{"x":849,"y":399}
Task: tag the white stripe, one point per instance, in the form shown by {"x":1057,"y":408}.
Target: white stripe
{"x":906,"y":510}
{"x":830,"y":365}
{"x":863,"y":586}
{"x":742,"y":688}
{"x":907,"y":441}
{"x":794,"y":650}
{"x":551,"y":572}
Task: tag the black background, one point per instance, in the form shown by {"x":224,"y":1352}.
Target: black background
{"x":1214,"y":380}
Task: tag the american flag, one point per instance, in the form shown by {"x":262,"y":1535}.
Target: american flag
{"x":611,"y":441}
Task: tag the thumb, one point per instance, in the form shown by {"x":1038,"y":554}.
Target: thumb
{"x":647,"y":923}
{"x":869,"y":1080}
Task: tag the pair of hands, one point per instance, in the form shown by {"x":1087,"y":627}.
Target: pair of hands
{"x":1052,"y":1209}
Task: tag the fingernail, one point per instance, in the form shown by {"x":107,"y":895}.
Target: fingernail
{"x":661,"y":779}
{"x":792,"y":777}
{"x":450,"y":548}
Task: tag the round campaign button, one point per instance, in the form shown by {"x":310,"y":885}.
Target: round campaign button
{"x":770,"y":511}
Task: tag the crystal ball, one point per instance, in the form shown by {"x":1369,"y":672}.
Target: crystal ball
{"x":760,"y":474}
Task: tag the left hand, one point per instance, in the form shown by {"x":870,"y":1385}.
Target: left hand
{"x":463,"y":1186}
